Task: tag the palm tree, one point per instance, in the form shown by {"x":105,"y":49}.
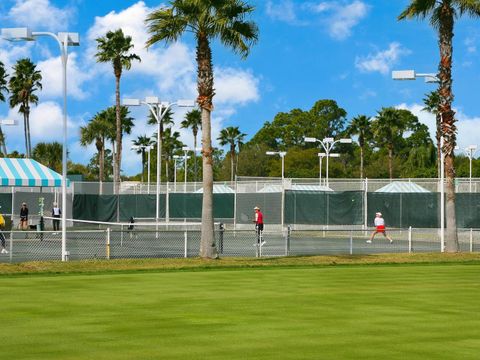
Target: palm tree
{"x":193,"y":120}
{"x":98,"y":130}
{"x":142,"y":142}
{"x":442,"y":14}
{"x":233,"y":137}
{"x":3,"y":89}
{"x":207,"y":20}
{"x":167,"y":119}
{"x":432,"y":101}
{"x":49,"y":154}
{"x":360,"y":126}
{"x":387,"y":129}
{"x":23,"y":84}
{"x":115,"y":48}
{"x":171,"y":146}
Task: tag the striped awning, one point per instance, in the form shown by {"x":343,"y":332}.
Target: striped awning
{"x":402,"y":187}
{"x":27,"y":172}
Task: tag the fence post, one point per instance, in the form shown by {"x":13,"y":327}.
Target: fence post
{"x":287,"y":240}
{"x":108,"y":243}
{"x":410,"y":240}
{"x":11,"y":245}
{"x":351,"y":242}
{"x":471,"y":240}
{"x":220,"y":240}
{"x":185,"y":235}
{"x":121,"y":235}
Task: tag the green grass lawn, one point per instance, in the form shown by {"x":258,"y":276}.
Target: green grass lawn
{"x":409,"y":311}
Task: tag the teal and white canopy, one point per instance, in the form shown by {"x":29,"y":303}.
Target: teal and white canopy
{"x":27,"y":172}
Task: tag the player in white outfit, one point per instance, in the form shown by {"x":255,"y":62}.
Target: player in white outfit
{"x":379,"y":228}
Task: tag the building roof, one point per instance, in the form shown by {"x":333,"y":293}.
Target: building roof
{"x":219,"y":189}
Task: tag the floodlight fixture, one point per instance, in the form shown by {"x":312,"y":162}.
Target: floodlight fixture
{"x":310,"y":139}
{"x":131,"y":102}
{"x":346,"y":141}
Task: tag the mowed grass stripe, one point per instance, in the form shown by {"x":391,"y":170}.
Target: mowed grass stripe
{"x":353,"y":312}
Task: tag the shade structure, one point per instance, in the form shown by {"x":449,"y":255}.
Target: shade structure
{"x":219,"y":189}
{"x":402,"y":187}
{"x":27,"y":172}
{"x":295,"y":187}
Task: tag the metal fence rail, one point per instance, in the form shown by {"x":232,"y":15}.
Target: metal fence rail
{"x":22,"y":246}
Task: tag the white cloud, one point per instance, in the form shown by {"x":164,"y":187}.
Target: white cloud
{"x":46,"y":121}
{"x":41,"y":14}
{"x":345,"y":18}
{"x":234,"y":86}
{"x":52,"y":77}
{"x":282,"y":10}
{"x":381,"y":61}
{"x":467,"y":126}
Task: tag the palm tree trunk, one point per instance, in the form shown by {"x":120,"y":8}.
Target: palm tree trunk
{"x":29,"y":143}
{"x":118,"y":155}
{"x":390,"y":161}
{"x":205,"y":100}
{"x":101,"y":165}
{"x":25,"y":133}
{"x":232,"y":161}
{"x":4,"y":146}
{"x":438,"y":136}
{"x":195,"y":155}
{"x":448,"y":122}
{"x":361,"y":162}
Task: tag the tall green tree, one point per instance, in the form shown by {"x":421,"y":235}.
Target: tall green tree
{"x":166,"y":119}
{"x":171,"y":146}
{"x":442,"y":15}
{"x":3,"y":90}
{"x":232,"y":137}
{"x":207,"y":20}
{"x":432,"y":102}
{"x":49,"y":154}
{"x":388,"y":129}
{"x":141,"y":142}
{"x":98,"y":130}
{"x":115,"y":48}
{"x":360,"y":126}
{"x":193,"y":120}
{"x":23,"y":84}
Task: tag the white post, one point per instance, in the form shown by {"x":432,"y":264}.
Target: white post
{"x":471,"y":240}
{"x":185,"y":186}
{"x":185,"y":235}
{"x":327,"y":150}
{"x":282,"y":215}
{"x":410,"y":240}
{"x":442,"y":196}
{"x":148,"y":169}
{"x":108,"y":243}
{"x":157,"y":197}
{"x":351,"y":242}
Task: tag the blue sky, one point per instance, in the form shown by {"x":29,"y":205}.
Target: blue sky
{"x":308,"y":50}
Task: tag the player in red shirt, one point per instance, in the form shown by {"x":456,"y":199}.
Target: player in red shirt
{"x":259,"y":226}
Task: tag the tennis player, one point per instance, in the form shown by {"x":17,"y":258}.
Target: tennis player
{"x":379,"y":228}
{"x":259,"y":226}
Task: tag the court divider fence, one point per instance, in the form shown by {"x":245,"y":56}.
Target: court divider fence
{"x":22,"y":246}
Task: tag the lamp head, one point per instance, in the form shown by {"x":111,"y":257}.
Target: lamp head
{"x":185,"y":103}
{"x":328,"y":140}
{"x":70,"y":38}
{"x":271,"y":153}
{"x":403,"y":75}
{"x":185,"y":148}
{"x":131,"y":102}
{"x":152,"y":100}
{"x":322,"y":155}
{"x":310,"y":139}
{"x":17,"y":34}
{"x":335,"y":155}
{"x":346,"y":141}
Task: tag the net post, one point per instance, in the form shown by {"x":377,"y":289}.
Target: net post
{"x":121,"y":235}
{"x":108,"y":243}
{"x":287,"y":240}
{"x":220,"y":240}
{"x":351,"y":242}
{"x":471,"y":240}
{"x":410,"y":240}
{"x":185,"y":238}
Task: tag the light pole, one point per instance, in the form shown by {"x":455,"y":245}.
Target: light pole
{"x":282,"y":155}
{"x":327,"y":144}
{"x":185,"y":149}
{"x":430,"y":78}
{"x":147,"y":148}
{"x":158,"y":110}
{"x":175,"y":158}
{"x":320,"y":158}
{"x":64,"y":40}
{"x":470,"y":151}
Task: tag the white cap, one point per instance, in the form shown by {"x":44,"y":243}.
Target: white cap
{"x":378,"y":213}
{"x":256,"y":208}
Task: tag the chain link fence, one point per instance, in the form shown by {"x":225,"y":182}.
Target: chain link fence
{"x":22,"y":246}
